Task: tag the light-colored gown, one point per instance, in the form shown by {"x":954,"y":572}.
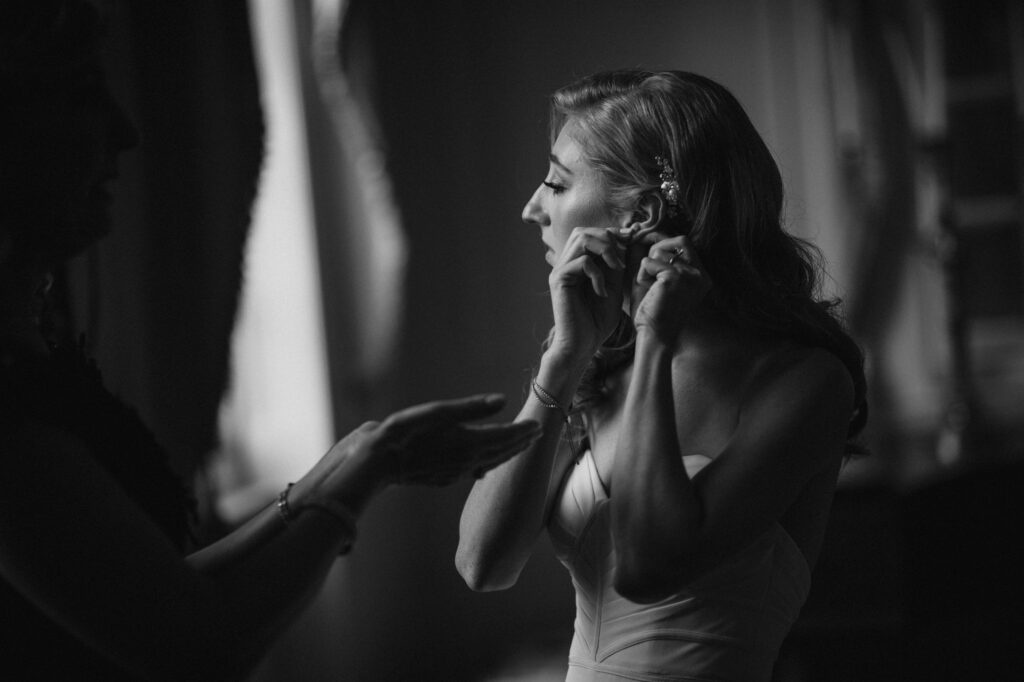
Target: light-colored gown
{"x":728,"y":625}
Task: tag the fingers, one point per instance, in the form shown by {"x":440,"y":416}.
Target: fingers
{"x":652,"y":270}
{"x":593,"y":252}
{"x":445,"y":412}
{"x":596,"y":241}
{"x":467,"y":450}
{"x":673,"y":246}
{"x":499,"y":451}
{"x":674,"y":252}
{"x":494,"y":438}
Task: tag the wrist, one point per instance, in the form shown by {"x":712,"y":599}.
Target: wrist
{"x":563,"y":362}
{"x":560,"y":375}
{"x":334,"y":511}
{"x":651,"y":352}
{"x":369,"y":474}
{"x":352,"y":482}
{"x":648,"y":338}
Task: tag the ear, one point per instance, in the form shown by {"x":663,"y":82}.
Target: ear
{"x":647,"y":216}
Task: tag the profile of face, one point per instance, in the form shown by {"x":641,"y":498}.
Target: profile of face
{"x":62,"y":141}
{"x":573,"y":194}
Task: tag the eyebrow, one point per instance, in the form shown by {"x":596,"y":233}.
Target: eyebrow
{"x":554,"y":159}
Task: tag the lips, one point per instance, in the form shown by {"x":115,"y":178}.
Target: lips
{"x":101,"y":189}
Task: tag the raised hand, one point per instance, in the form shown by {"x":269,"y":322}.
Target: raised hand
{"x":587,"y":286}
{"x":428,"y":444}
{"x":673,"y":283}
{"x":431,"y":444}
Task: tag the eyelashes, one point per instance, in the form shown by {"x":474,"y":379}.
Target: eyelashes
{"x":554,"y":187}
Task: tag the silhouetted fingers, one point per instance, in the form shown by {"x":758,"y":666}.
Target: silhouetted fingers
{"x":499,"y":437}
{"x":443,"y":454}
{"x":444,"y":412}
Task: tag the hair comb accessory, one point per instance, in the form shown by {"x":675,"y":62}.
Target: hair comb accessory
{"x":669,"y":185}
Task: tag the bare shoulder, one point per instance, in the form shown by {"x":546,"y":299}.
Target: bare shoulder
{"x":802,"y":374}
{"x":799,"y":400}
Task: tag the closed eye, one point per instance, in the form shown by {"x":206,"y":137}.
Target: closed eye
{"x":554,"y":187}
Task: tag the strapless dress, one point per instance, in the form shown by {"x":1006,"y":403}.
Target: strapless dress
{"x":727,"y":625}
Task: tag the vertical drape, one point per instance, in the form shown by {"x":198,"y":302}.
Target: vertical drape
{"x":362,"y":247}
{"x":888,"y":102}
{"x":358,"y":257}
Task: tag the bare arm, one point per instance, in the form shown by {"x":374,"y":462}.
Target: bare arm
{"x":792,"y":424}
{"x":506,"y":510}
{"x":669,"y":529}
{"x":73,"y":543}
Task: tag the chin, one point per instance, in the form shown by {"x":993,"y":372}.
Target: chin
{"x":64,"y":239}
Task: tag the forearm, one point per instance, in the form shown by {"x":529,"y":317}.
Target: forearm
{"x":653,"y":507}
{"x":269,"y":574}
{"x":130,"y":595}
{"x":507,"y":508}
{"x":269,"y":569}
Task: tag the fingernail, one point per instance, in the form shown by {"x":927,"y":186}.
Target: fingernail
{"x":494,"y":398}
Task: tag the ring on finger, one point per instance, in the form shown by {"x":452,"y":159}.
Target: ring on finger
{"x":676,"y":254}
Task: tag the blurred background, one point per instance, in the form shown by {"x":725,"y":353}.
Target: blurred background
{"x":322,"y":225}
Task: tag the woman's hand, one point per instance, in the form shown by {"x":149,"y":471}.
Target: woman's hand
{"x":428,"y":444}
{"x":587,"y":287}
{"x":673,"y":283}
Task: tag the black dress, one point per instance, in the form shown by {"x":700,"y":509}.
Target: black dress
{"x":66,"y":390}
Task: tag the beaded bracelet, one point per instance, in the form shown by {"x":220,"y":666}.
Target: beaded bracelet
{"x":283,"y":509}
{"x":547,"y":400}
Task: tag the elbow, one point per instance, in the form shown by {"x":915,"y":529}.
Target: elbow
{"x":648,"y":582}
{"x":643,"y":588}
{"x":482,"y":576}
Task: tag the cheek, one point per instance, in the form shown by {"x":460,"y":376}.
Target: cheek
{"x":560,"y":235}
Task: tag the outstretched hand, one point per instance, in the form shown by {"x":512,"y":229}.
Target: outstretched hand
{"x":428,"y":444}
{"x":431,"y":444}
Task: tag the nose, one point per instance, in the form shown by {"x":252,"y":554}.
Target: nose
{"x":532,"y":212}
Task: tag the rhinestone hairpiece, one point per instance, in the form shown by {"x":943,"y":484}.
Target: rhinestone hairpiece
{"x":669,"y":185}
